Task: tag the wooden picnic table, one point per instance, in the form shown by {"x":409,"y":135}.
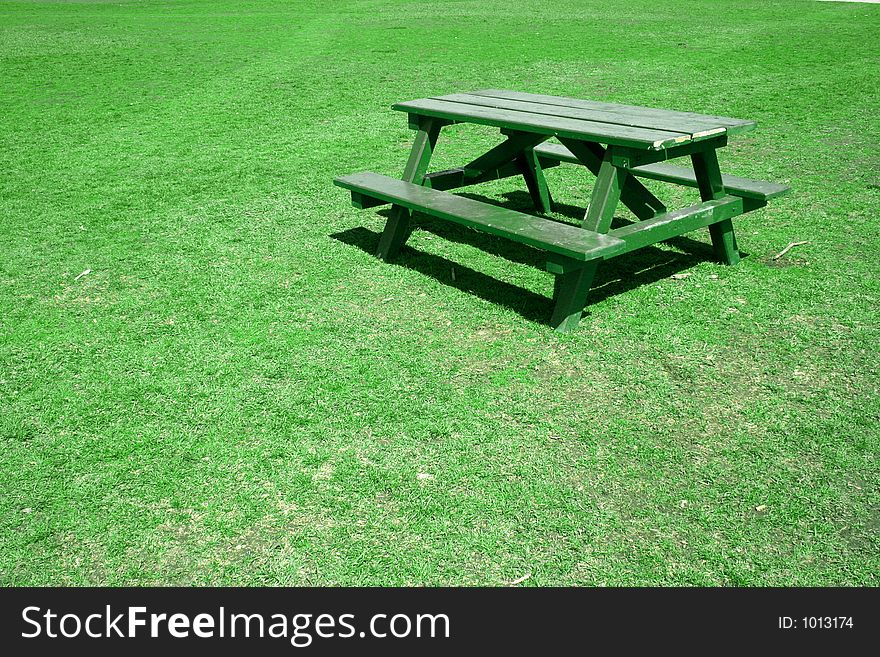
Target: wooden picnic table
{"x":617,"y":143}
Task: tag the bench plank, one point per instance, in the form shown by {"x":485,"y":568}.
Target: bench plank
{"x":745,"y":187}
{"x":545,"y":234}
{"x":697,"y":128}
{"x":733,"y":125}
{"x":607,"y":133}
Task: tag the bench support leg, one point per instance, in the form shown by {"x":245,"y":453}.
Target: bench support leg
{"x":570,"y":291}
{"x":397,"y":228}
{"x":709,"y":180}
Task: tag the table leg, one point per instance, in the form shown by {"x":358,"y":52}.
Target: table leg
{"x":634,"y":195}
{"x":606,"y":194}
{"x":534,"y":176}
{"x":709,"y":180}
{"x":397,"y":228}
{"x":573,"y":280}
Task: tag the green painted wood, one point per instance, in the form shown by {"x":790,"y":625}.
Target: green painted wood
{"x":639,"y":158}
{"x":458,"y":177}
{"x":633,"y":195}
{"x":724,"y":242}
{"x":697,"y":128}
{"x":606,"y":194}
{"x":709,"y":179}
{"x":570,"y":291}
{"x":517,"y":149}
{"x":506,"y":151}
{"x":446,"y":179}
{"x":750,"y":204}
{"x":397,"y":227}
{"x":732,"y":125}
{"x":516,"y":152}
{"x":545,"y":234}
{"x":362,"y":202}
{"x":708,"y":174}
{"x":534,"y":176}
{"x":745,"y":187}
{"x":678,"y":222}
{"x":608,"y":133}
{"x":557,"y":264}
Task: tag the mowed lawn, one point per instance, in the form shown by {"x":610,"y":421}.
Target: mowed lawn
{"x":238,"y":392}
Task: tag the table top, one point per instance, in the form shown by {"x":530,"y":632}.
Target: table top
{"x":607,"y":123}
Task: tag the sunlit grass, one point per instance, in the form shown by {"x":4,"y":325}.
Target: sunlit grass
{"x":237,"y":392}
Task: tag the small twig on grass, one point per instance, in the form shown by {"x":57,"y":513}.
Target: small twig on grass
{"x":789,"y":248}
{"x":520,"y":580}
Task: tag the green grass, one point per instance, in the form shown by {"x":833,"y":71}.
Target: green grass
{"x":239,"y":393}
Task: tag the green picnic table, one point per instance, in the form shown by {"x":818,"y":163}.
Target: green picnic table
{"x":619,"y":144}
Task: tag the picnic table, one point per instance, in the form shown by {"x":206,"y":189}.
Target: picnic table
{"x":619,"y":144}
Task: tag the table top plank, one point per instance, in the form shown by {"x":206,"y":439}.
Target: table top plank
{"x":732,"y":125}
{"x":697,"y":128}
{"x":560,"y":126}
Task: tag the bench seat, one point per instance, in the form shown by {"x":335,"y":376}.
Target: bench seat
{"x":759,"y":190}
{"x":551,"y":236}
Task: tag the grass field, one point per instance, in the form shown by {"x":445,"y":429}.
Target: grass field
{"x":237,"y":392}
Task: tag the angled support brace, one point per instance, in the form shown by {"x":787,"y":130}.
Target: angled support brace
{"x":505,"y":152}
{"x":514,"y":151}
{"x":513,"y":157}
{"x":634,"y":194}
